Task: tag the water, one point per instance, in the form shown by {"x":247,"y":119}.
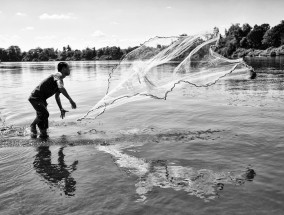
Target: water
{"x":217,"y":150}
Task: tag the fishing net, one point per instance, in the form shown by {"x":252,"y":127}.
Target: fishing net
{"x":162,"y":64}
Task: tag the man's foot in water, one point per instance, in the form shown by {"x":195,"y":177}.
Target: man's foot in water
{"x":43,"y":134}
{"x":33,"y":132}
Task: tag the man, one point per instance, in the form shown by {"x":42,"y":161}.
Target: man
{"x":47,"y":88}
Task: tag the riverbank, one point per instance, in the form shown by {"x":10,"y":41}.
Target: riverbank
{"x":272,"y":52}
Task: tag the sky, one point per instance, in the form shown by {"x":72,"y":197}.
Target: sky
{"x":98,"y":23}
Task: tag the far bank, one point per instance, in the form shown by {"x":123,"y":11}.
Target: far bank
{"x":270,"y":52}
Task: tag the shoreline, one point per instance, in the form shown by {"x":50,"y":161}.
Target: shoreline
{"x":239,"y":53}
{"x":269,"y":52}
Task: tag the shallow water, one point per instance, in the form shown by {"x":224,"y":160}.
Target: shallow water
{"x":216,"y":150}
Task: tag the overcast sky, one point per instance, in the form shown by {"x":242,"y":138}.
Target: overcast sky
{"x":97,"y":23}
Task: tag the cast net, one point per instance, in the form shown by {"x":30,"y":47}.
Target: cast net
{"x":163,"y":64}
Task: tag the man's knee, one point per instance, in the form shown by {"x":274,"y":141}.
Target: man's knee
{"x":44,"y":111}
{"x":43,"y":114}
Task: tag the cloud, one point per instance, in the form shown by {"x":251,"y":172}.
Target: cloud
{"x":169,"y":7}
{"x":21,"y":14}
{"x":29,"y":28}
{"x":47,"y":16}
{"x":0,"y":11}
{"x":98,"y":34}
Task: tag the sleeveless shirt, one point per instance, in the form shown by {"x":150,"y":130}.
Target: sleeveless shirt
{"x":48,"y":87}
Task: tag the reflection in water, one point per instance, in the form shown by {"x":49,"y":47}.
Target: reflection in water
{"x":56,"y":175}
{"x":266,"y":62}
{"x":202,"y":183}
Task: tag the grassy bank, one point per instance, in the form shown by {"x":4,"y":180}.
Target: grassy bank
{"x":272,"y":52}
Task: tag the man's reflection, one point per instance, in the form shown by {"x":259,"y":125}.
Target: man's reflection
{"x":57,"y":175}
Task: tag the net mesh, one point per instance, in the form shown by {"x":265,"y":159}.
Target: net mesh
{"x":162,"y":64}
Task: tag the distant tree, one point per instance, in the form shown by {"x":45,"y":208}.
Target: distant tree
{"x":100,"y":53}
{"x":255,"y":36}
{"x":115,"y":53}
{"x":43,"y":57}
{"x":51,"y":53}
{"x":265,"y":27}
{"x":69,"y":53}
{"x":68,"y":48}
{"x":232,"y":47}
{"x":226,"y":32}
{"x":24,"y":55}
{"x":246,"y":29}
{"x":106,"y":50}
{"x":14,"y":53}
{"x":77,"y":55}
{"x":30,"y":55}
{"x":94,"y":52}
{"x":87,"y":54}
{"x":62,"y":55}
{"x":244,"y":43}
{"x":235,"y":34}
{"x":3,"y":55}
{"x":272,"y":37}
{"x":130,"y":49}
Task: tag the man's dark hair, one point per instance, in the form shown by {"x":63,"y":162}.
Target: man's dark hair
{"x":61,"y":65}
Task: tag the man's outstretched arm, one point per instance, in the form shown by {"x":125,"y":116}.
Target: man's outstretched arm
{"x":58,"y":101}
{"x":64,"y":92}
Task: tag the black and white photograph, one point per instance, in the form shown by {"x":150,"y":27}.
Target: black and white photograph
{"x":141,"y":107}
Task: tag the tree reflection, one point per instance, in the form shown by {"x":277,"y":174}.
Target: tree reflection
{"x":56,"y":175}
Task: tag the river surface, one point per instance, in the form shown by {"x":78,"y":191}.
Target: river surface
{"x":214,"y":150}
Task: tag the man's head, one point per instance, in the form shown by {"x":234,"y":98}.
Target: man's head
{"x":63,"y":68}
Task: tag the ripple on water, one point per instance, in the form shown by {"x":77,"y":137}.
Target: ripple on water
{"x":14,"y":164}
{"x":15,"y":168}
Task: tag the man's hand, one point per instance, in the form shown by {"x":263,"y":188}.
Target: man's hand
{"x":63,"y":113}
{"x":73,"y":104}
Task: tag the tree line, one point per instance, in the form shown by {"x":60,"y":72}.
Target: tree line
{"x":257,"y":37}
{"x":14,"y":54}
{"x":236,"y":37}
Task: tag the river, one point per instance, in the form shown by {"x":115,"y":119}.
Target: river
{"x":215,"y":150}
